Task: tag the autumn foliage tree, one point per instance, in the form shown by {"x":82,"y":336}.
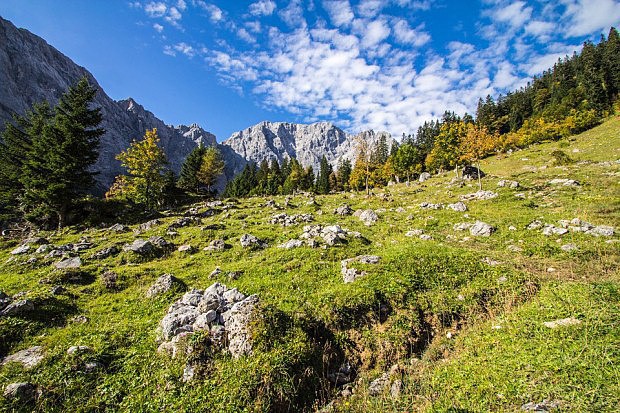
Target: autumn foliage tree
{"x":476,"y":144}
{"x":146,"y":163}
{"x":211,"y":167}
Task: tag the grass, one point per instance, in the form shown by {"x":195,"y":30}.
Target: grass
{"x":400,"y":313}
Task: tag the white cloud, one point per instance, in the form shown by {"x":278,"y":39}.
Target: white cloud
{"x":370,"y":8}
{"x":514,"y":14}
{"x":155,"y":9}
{"x":184,"y":48}
{"x":158,"y":27}
{"x":168,"y":50}
{"x":181,"y":5}
{"x":173,"y":15}
{"x":539,"y":28}
{"x":262,"y":8}
{"x":243,"y":34}
{"x":585,"y":17}
{"x":376,"y":31}
{"x":339,"y":11}
{"x":215,"y":13}
{"x":293,"y":14}
{"x":406,"y":35}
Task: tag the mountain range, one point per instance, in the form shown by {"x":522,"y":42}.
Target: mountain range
{"x":31,"y":71}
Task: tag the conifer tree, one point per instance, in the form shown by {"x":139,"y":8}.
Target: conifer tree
{"x":56,"y":170}
{"x":188,"y":177}
{"x":322,"y":180}
{"x":344,"y":172}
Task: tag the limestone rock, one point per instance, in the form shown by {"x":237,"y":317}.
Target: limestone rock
{"x":250,"y":241}
{"x":76,"y":350}
{"x":368,"y":216}
{"x":479,"y":195}
{"x":140,"y":247}
{"x":237,"y":326}
{"x":29,"y":357}
{"x":163,"y":284}
{"x":22,"y":392}
{"x":18,"y":308}
{"x":565,"y":322}
{"x":22,"y":249}
{"x":507,"y":183}
{"x":458,"y":207}
{"x":69,"y":263}
{"x":350,"y":274}
{"x":564,"y":182}
{"x":343,"y":210}
{"x":293,"y":243}
{"x":216,"y":245}
{"x":481,"y":229}
{"x":424,"y":176}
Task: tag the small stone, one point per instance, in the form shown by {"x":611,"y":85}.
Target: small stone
{"x":378,"y":385}
{"x":568,"y":247}
{"x":481,"y":229}
{"x":188,"y":373}
{"x":80,"y":319}
{"x":342,"y":210}
{"x":424,"y":176}
{"x":58,"y":290}
{"x":564,"y":322}
{"x":250,"y":241}
{"x":543,"y":406}
{"x":459,"y":207}
{"x":188,"y":249}
{"x":414,"y":233}
{"x":293,"y":243}
{"x":22,"y":249}
{"x":119,"y":228}
{"x":215,"y":272}
{"x":163,"y":284}
{"x":18,"y":308}
{"x":216,"y":245}
{"x":93,"y":367}
{"x":140,"y":246}
{"x":396,"y":388}
{"x":368,"y":216}
{"x":426,"y":237}
{"x":76,"y":350}
{"x":512,"y":228}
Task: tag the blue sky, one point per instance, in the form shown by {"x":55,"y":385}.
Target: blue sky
{"x":370,"y":64}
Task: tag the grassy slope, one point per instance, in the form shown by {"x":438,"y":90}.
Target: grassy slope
{"x":314,"y":320}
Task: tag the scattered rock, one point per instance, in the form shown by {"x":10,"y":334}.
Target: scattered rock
{"x":601,"y":231}
{"x":535,"y":224}
{"x":350,"y":274}
{"x":188,"y":249}
{"x":184,"y":222}
{"x":161,"y":243}
{"x":506,"y":183}
{"x":564,"y":182}
{"x":80,"y":319}
{"x":564,"y":322}
{"x":368,"y":216}
{"x":343,"y":375}
{"x":396,"y":389}
{"x":424,"y":176}
{"x":414,"y":233}
{"x":22,"y":392}
{"x":69,"y":263}
{"x":106,"y":252}
{"x":568,"y":247}
{"x":22,"y":249}
{"x":428,"y":205}
{"x":479,"y":195}
{"x":343,"y":210}
{"x":543,"y":406}
{"x":288,"y":220}
{"x":481,"y":229}
{"x":18,"y":308}
{"x":378,"y":385}
{"x":36,"y":241}
{"x":250,"y":241}
{"x":76,"y":350}
{"x":29,"y":357}
{"x":293,"y":243}
{"x":553,"y":230}
{"x":458,"y":207}
{"x":109,"y":279}
{"x":237,"y":322}
{"x":140,"y":247}
{"x":490,"y":261}
{"x":92,"y":367}
{"x":215,"y":272}
{"x":164,"y":284}
{"x":426,"y":237}
{"x":119,"y":228}
{"x":462,"y":226}
{"x":58,"y":290}
{"x":217,"y":245}
{"x":514,"y":248}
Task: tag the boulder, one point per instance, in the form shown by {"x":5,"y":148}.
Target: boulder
{"x":343,"y":210}
{"x":428,"y":205}
{"x":601,"y":231}
{"x":161,"y":243}
{"x":77,"y":350}
{"x":140,"y":247}
{"x":237,"y":326}
{"x":22,"y":392}
{"x":187,"y":249}
{"x":458,"y":207}
{"x":379,"y":385}
{"x":250,"y":241}
{"x":424,"y":176}
{"x":479,"y":195}
{"x":350,"y":274}
{"x":69,"y":263}
{"x":22,"y":249}
{"x":106,"y":252}
{"x":18,"y":308}
{"x":29,"y":357}
{"x":293,"y":243}
{"x":507,"y":183}
{"x":481,"y":229}
{"x":119,"y":228}
{"x":368,"y":217}
{"x":164,"y":284}
{"x":149,"y":225}
{"x":564,"y":182}
{"x":216,"y":245}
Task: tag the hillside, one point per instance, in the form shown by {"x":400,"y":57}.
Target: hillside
{"x":438,"y":316}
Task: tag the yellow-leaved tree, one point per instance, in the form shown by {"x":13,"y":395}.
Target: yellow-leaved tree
{"x":211,"y":167}
{"x":146,"y":163}
{"x":476,"y":144}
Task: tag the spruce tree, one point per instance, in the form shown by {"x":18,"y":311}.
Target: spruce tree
{"x":188,"y":177}
{"x":322,"y":181}
{"x":56,"y":170}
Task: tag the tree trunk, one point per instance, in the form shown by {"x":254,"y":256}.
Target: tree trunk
{"x":479,"y":178}
{"x":367,"y":175}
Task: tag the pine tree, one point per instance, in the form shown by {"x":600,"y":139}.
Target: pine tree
{"x":56,"y":170}
{"x":344,"y":172}
{"x":145,"y":161}
{"x":322,"y":181}
{"x":188,"y":177}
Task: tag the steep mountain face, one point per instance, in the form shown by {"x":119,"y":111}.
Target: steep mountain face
{"x":31,"y":71}
{"x":306,"y":143}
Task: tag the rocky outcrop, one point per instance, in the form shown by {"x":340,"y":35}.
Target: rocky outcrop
{"x":31,"y":71}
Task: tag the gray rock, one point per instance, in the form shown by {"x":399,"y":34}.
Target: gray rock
{"x":428,"y":205}
{"x":210,"y":301}
{"x":29,"y":357}
{"x":426,"y":237}
{"x":233,"y":296}
{"x":414,"y":233}
{"x":58,"y":290}
{"x":238,"y":326}
{"x":368,"y":217}
{"x":378,"y":385}
{"x":161,"y":243}
{"x":187,"y":249}
{"x":106,"y":252}
{"x":424,"y":176}
{"x":343,"y":210}
{"x":178,"y":321}
{"x":507,"y":183}
{"x":119,"y":228}
{"x":601,"y":231}
{"x":396,"y":389}
{"x":76,"y":350}
{"x":564,"y":182}
{"x":22,"y":249}
{"x":250,"y":241}
{"x":350,"y":274}
{"x":553,"y":230}
{"x":93,"y":367}
{"x":22,"y":392}
{"x":544,"y":406}
{"x":479,"y":195}
{"x":69,"y":263}
{"x":192,"y":297}
{"x":293,"y":243}
{"x":189,"y":372}
{"x":215,"y":272}
{"x":145,"y":226}
{"x":568,"y":247}
{"x":462,"y":226}
{"x":36,"y":241}
{"x":458,"y":207}
{"x":535,"y":224}
{"x":163,"y":284}
{"x":481,"y":229}
{"x":216,"y":245}
{"x":140,"y":247}
{"x":18,"y":308}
